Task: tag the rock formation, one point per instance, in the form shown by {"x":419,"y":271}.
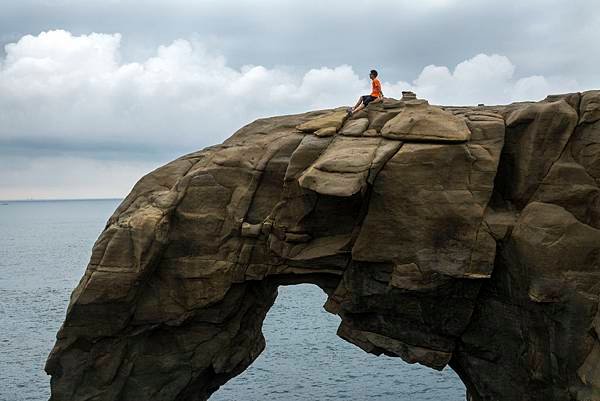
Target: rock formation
{"x":460,"y":236}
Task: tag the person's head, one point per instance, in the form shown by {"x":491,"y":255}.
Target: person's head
{"x":373,"y":74}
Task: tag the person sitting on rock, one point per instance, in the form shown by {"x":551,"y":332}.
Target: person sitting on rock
{"x":375,"y":96}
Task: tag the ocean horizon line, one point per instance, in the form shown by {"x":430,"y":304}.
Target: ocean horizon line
{"x":56,"y":199}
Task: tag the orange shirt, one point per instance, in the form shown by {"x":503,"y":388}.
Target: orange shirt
{"x":376,"y":91}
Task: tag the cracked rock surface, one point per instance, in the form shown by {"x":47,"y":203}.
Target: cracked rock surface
{"x":460,"y":236}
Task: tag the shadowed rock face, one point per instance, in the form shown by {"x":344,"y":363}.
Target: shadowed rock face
{"x":457,"y":236}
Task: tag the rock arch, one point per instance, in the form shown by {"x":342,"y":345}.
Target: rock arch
{"x":457,"y":236}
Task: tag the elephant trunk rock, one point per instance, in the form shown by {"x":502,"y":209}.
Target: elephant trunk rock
{"x":460,"y":236}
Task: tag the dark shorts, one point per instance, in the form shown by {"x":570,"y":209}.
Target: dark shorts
{"x":366,"y":99}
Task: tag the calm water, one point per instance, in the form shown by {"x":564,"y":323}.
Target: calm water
{"x":44,"y":248}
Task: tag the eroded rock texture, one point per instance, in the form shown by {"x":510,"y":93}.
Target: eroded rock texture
{"x":457,"y":236}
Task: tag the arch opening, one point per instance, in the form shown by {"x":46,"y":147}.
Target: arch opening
{"x":304,"y":359}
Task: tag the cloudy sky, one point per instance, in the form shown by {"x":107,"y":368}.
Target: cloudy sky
{"x":96,"y":93}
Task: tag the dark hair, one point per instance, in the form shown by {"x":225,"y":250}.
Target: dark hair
{"x":374,"y":72}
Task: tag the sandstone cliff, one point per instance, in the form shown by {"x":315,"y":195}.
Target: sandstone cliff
{"x":461,"y":236}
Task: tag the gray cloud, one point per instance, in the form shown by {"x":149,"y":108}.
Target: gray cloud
{"x":164,"y":78}
{"x":545,"y":37}
{"x":68,"y":177}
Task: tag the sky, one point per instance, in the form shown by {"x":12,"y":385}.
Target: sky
{"x":95,"y":94}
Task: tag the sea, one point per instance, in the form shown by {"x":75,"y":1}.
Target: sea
{"x":44,"y":249}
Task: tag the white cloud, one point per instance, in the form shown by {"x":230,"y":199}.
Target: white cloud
{"x":64,"y":86}
{"x":59,"y":85}
{"x":65,"y":89}
{"x":482,"y":79}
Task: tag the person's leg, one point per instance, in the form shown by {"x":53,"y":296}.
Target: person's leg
{"x":365,"y":101}
{"x":359,"y":105}
{"x":359,"y":108}
{"x":360,"y":99}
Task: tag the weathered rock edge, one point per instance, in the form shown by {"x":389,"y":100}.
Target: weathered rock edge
{"x":461,"y":236}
